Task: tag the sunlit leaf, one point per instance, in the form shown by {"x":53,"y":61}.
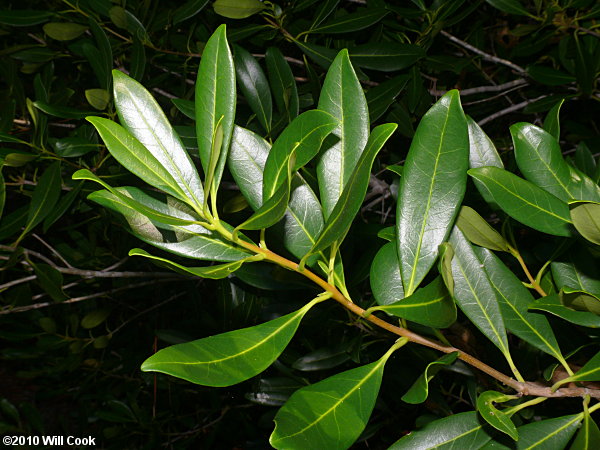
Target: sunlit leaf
{"x":477,"y":230}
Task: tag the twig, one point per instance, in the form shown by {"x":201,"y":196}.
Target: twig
{"x":16,"y":282}
{"x":483,"y":54}
{"x":158,"y":305}
{"x":510,"y":109}
{"x":519,"y":82}
{"x":53,"y":250}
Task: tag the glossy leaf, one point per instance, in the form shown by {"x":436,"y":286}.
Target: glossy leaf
{"x":342,"y":97}
{"x":431,"y":306}
{"x":588,"y":437}
{"x":514,"y":300}
{"x":482,"y":151}
{"x":191,"y":241}
{"x":354,"y":192}
{"x":431,"y":188}
{"x":477,"y":230}
{"x":496,"y":418}
{"x":540,"y":160}
{"x":321,"y":359}
{"x":188,"y":10}
{"x":213,"y":272}
{"x":255,"y":87}
{"x":332,"y":413}
{"x":382,"y":96}
{"x":586,"y":220}
{"x":228,"y":358}
{"x":64,"y":112}
{"x":578,"y":271}
{"x":462,"y":430}
{"x":186,"y":107}
{"x":302,"y":138}
{"x":386,"y":56}
{"x":474,"y":293}
{"x":385,"y":279}
{"x":72,"y":147}
{"x":552,"y":304}
{"x":144,"y":119}
{"x":419,"y":391}
{"x":64,"y":31}
{"x":237,"y":9}
{"x":215,"y":100}
{"x":283,"y":84}
{"x":347,"y":23}
{"x":550,"y":433}
{"x":524,"y":201}
{"x":552,"y":120}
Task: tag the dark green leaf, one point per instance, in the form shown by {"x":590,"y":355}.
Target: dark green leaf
{"x":578,"y":271}
{"x":524,"y":201}
{"x":549,"y":76}
{"x":24,"y":17}
{"x":138,"y":60}
{"x":496,"y":418}
{"x":381,"y":97}
{"x":237,"y":9}
{"x":553,"y":305}
{"x":548,"y":434}
{"x":386,"y":282}
{"x":73,"y":147}
{"x":347,"y":23}
{"x":588,"y":437}
{"x":15,"y":158}
{"x":552,"y":120}
{"x":586,"y":219}
{"x":51,"y":280}
{"x":477,"y":230}
{"x":188,"y":10}
{"x":325,"y":9}
{"x":283,"y":84}
{"x":446,"y":253}
{"x":103,"y":63}
{"x":2,"y":194}
{"x":431,"y":188}
{"x":228,"y":358}
{"x":64,"y":112}
{"x":61,"y":207}
{"x":321,"y":359}
{"x":419,"y":391}
{"x":64,"y":31}
{"x":94,"y":318}
{"x":185,"y":106}
{"x":342,"y":97}
{"x":97,"y":98}
{"x":509,"y":6}
{"x":386,"y":56}
{"x":584,"y":160}
{"x":589,"y":372}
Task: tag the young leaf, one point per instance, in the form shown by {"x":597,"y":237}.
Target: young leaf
{"x":586,"y":220}
{"x":419,"y":391}
{"x":496,"y":418}
{"x":514,"y":300}
{"x":304,"y":135}
{"x":342,"y":96}
{"x":552,"y":304}
{"x":552,"y":120}
{"x":445,"y":266}
{"x":477,"y":230}
{"x":332,"y":413}
{"x":540,"y":160}
{"x":283,"y":84}
{"x":431,"y":188}
{"x":253,"y":83}
{"x":431,"y":306}
{"x":228,"y":358}
{"x":474,"y":293}
{"x":144,"y":119}
{"x":462,"y":430}
{"x":524,"y":201}
{"x":215,"y":100}
{"x":354,"y":192}
{"x":386,"y":282}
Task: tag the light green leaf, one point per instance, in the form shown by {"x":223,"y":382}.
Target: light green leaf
{"x":347,"y":23}
{"x":98,"y":98}
{"x":552,"y":304}
{"x":524,"y":201}
{"x":64,"y":31}
{"x":477,"y":230}
{"x":354,"y":192}
{"x":431,"y":306}
{"x":496,"y":418}
{"x":462,"y":430}
{"x":304,"y":137}
{"x":342,"y":96}
{"x":215,"y":100}
{"x":253,"y":83}
{"x":228,"y":358}
{"x":419,"y":391}
{"x":586,"y":219}
{"x":431,"y":187}
{"x":283,"y":84}
{"x":385,"y":279}
{"x":237,"y":9}
{"x":332,"y":413}
{"x":144,"y":119}
{"x":552,"y":120}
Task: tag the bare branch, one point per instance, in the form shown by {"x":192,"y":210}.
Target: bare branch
{"x":510,"y":109}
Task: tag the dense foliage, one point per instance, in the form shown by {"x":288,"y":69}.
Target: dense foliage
{"x":359,"y":223}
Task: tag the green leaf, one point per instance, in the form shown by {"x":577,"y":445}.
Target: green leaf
{"x":548,"y":434}
{"x":474,"y":293}
{"x":215,"y":272}
{"x":321,"y":359}
{"x":73,"y":147}
{"x":64,"y":31}
{"x":477,"y":230}
{"x":64,"y":112}
{"x":387,"y":233}
{"x":496,"y":418}
{"x":61,"y":207}
{"x":135,"y":157}
{"x":540,"y":160}
{"x":419,"y":391}
{"x":94,"y":318}
{"x":462,"y":430}
{"x":44,"y":198}
{"x":191,"y":241}
{"x":102,"y":63}
{"x":126,"y":20}
{"x":578,"y":271}
{"x":98,"y":98}
{"x":332,"y":413}
{"x":188,"y":10}
{"x":303,"y":137}
{"x":215,"y":100}
{"x":524,"y":201}
{"x":431,"y":306}
{"x":589,"y":372}
{"x":482,"y":151}
{"x":283,"y":84}
{"x":237,"y":9}
{"x":514,"y":300}
{"x":586,"y":219}
{"x":141,"y":115}
{"x":552,"y":304}
{"x":348,"y":23}
{"x":588,"y":437}
{"x":342,"y":97}
{"x":51,"y":280}
{"x":24,"y":17}
{"x":138,"y":60}
{"x":385,"y":279}
{"x":549,"y":76}
{"x":185,"y":106}
{"x":552,"y":120}
{"x":2,"y":193}
{"x":326,"y":8}
{"x":228,"y":358}
{"x":354,"y":192}
{"x":584,"y":160}
{"x":431,"y":187}
{"x":386,"y":56}
{"x":255,"y":87}
{"x":382,"y":96}
{"x":509,"y":6}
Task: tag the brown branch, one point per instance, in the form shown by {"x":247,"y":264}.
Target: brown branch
{"x":509,"y":110}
